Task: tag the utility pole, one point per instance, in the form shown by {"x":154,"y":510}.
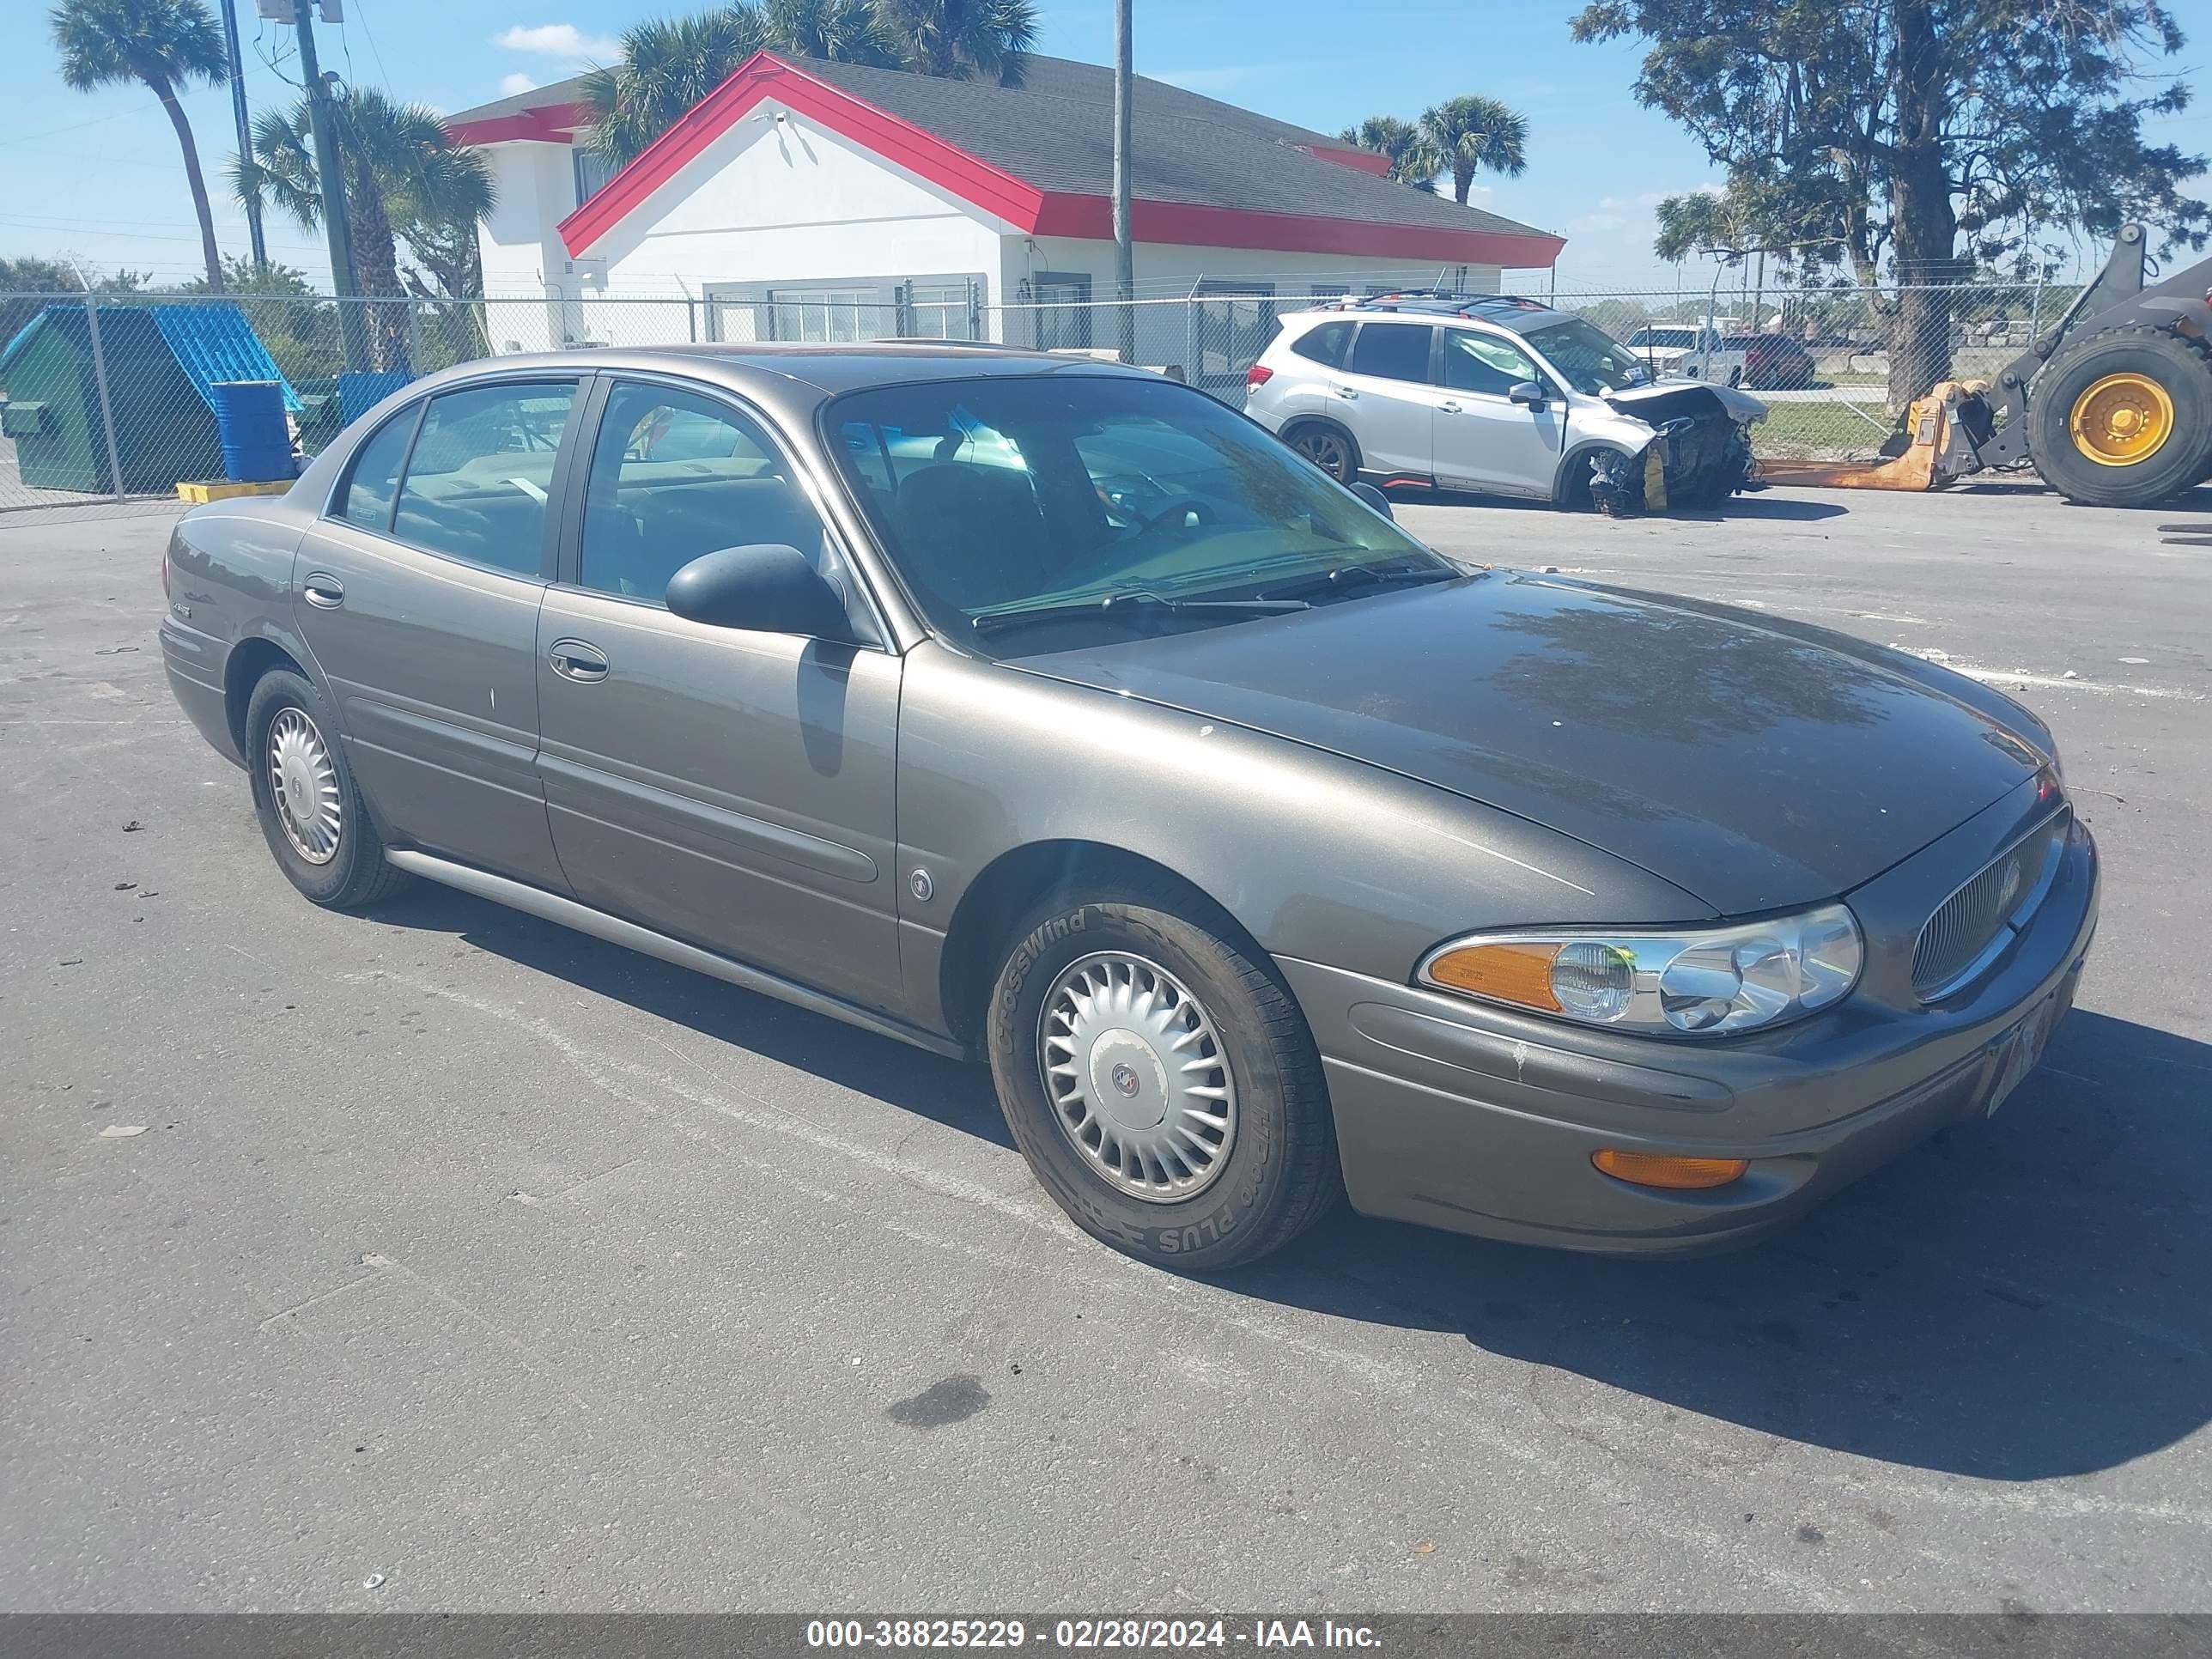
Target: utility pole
{"x":245,"y":129}
{"x":1125,"y":249}
{"x":330,"y":172}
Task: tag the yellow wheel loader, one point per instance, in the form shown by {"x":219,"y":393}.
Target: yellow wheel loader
{"x":2112,"y":407}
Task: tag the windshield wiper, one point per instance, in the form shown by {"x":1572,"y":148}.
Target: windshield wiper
{"x":1127,"y":603}
{"x":1350,"y":578}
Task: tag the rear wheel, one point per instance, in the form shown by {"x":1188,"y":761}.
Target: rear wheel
{"x":305,"y":796}
{"x":1329,"y":446}
{"x":1161,"y":1082}
{"x":2124,"y":419}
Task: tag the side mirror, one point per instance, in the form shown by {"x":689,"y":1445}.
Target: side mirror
{"x":766,"y":586}
{"x":1526,"y":392}
{"x":1374,"y":497}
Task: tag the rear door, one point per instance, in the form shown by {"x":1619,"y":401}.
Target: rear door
{"x":418,"y":594}
{"x":1385,"y":394}
{"x":1484,"y":439}
{"x":729,"y":787}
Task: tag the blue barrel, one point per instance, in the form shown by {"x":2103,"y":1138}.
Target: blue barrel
{"x":249,"y":417}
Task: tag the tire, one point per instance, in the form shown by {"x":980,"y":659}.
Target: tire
{"x":2181,"y":368}
{"x":1327,"y":445}
{"x":1243,"y":1188}
{"x":332,"y":852}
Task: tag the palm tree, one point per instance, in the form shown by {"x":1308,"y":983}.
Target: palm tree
{"x":986,"y":39}
{"x":669,"y":65}
{"x":1462,"y":136}
{"x":405,"y":178}
{"x":162,"y":45}
{"x":1386,"y":134}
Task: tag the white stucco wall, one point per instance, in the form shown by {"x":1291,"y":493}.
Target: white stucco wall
{"x":786,"y":201}
{"x":523,"y":258}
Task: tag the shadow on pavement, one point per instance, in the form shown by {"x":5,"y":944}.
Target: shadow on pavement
{"x":956,"y":1094}
{"x":2020,"y":1299}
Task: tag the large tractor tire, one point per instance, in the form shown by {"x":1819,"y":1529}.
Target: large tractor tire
{"x":2123,"y":418}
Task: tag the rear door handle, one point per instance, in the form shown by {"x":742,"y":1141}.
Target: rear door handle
{"x":321,"y":588}
{"x":573,"y":659}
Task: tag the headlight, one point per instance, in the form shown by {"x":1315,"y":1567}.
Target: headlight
{"x":1693,"y":981}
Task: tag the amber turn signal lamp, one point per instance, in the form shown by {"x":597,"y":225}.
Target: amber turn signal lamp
{"x":1505,"y":972}
{"x":1663,"y":1169}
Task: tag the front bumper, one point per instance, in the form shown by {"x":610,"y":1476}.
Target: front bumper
{"x":1471,"y":1118}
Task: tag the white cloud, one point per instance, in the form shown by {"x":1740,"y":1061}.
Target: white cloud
{"x":509,"y":85}
{"x":564,"y":41}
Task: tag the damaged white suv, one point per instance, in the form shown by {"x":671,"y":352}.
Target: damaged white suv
{"x":1499,"y":395}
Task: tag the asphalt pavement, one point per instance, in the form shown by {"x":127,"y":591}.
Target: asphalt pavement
{"x":447,"y":1260}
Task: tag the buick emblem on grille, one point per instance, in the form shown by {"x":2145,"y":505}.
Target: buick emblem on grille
{"x":2010,"y":890}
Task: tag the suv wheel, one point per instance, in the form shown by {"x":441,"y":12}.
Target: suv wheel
{"x":1161,"y":1082}
{"x":305,"y":796}
{"x":1329,"y":447}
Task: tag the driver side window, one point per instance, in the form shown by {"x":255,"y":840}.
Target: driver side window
{"x":1485,"y":363}
{"x":674,"y":476}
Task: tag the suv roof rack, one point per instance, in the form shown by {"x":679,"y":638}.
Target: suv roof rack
{"x":1439,"y":302}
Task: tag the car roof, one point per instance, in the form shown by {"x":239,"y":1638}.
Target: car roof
{"x":1516,"y":312}
{"x":794,"y":377}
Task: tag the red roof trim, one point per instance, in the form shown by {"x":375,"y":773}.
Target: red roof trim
{"x":764,"y":76}
{"x":548,"y":124}
{"x":1034,"y":211}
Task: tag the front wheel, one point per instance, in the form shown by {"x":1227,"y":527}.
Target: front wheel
{"x":1162,"y":1083}
{"x":2123,"y":418}
{"x":305,"y":796}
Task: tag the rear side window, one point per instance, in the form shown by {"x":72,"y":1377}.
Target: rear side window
{"x":477,"y":482}
{"x":1392,"y":351}
{"x":1325,"y":344}
{"x":375,"y":477}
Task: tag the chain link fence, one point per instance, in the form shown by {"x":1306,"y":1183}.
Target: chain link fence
{"x":112,"y":397}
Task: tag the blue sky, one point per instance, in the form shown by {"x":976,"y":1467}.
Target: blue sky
{"x":98,"y":176}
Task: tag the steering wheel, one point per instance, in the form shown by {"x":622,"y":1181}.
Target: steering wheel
{"x":1181,"y":508}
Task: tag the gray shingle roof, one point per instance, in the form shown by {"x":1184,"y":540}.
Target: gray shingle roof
{"x":1055,"y":132}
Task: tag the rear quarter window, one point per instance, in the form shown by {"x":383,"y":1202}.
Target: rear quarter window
{"x":1326,"y":344}
{"x":375,"y":479}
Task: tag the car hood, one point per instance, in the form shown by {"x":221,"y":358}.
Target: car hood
{"x":1665,"y":399}
{"x":1753,"y":763}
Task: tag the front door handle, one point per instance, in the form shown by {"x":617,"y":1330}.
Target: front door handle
{"x":1350,"y":394}
{"x":323,"y":589}
{"x":573,"y":659}
{"x":1448,"y":409}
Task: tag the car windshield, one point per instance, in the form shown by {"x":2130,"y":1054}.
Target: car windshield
{"x":1593,"y":362}
{"x":1025,"y":514}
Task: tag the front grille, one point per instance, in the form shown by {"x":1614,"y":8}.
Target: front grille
{"x":1971,"y":928}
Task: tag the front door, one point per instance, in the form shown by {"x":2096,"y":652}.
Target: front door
{"x":418,"y":596}
{"x":1386,"y":397}
{"x":729,"y":787}
{"x":1484,"y":439}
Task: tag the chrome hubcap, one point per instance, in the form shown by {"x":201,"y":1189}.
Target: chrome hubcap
{"x":1136,"y":1076}
{"x":304,"y":786}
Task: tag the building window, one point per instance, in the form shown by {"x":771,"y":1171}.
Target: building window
{"x":1062,"y":299}
{"x":840,"y":312}
{"x":937,"y":311}
{"x":592,"y":170}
